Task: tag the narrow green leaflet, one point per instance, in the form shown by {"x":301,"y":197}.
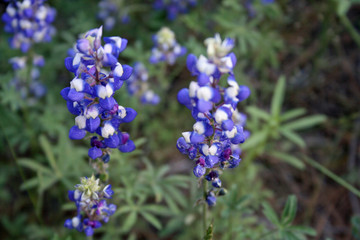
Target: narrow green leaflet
{"x":278,"y":97}
{"x":294,"y":113}
{"x":289,"y":159}
{"x":151,"y":219}
{"x":293,"y":137}
{"x":257,"y":112}
{"x":209,"y":233}
{"x":289,"y":211}
{"x":305,"y":122}
{"x":270,"y":214}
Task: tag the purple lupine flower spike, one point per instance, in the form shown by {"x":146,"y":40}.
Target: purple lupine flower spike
{"x":166,"y":49}
{"x":213,"y":143}
{"x":30,"y":22}
{"x":138,"y":85}
{"x":174,"y":7}
{"x":92,"y":209}
{"x":98,"y":75}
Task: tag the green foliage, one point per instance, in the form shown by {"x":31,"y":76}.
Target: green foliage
{"x":154,"y":189}
{"x":283,"y":227}
{"x":278,"y":126}
{"x":209,"y":232}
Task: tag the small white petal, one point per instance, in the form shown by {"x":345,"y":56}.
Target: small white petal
{"x":80,"y":121}
{"x":194,"y":86}
{"x":205,"y":149}
{"x":78,"y":84}
{"x":213,"y":149}
{"x":199,"y":127}
{"x":107,"y":130}
{"x":118,"y":71}
{"x":121,"y":111}
{"x":75,"y":221}
{"x":204,"y":93}
{"x":231,"y":134}
{"x":220,"y":116}
{"x":186,"y":136}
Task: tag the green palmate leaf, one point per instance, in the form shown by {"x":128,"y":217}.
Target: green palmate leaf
{"x":301,"y":229}
{"x":258,"y":113}
{"x":278,"y":97}
{"x":286,"y":235}
{"x":156,"y":209}
{"x":28,"y":163}
{"x":293,"y":137}
{"x":305,"y":122}
{"x":292,"y":114}
{"x":289,"y":159}
{"x":45,"y":145}
{"x":289,"y":211}
{"x":47,"y":182}
{"x":129,"y":221}
{"x":151,"y":219}
{"x":176,"y":194}
{"x":171,"y":203}
{"x":209,"y":232}
{"x":30,"y":183}
{"x":270,"y":214}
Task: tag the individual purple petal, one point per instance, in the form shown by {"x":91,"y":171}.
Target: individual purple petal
{"x":92,"y":124}
{"x":129,"y":146}
{"x":76,"y":134}
{"x":95,"y":153}
{"x":199,"y":171}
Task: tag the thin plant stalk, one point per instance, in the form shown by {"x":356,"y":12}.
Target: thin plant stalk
{"x":205,"y":206}
{"x":332,"y":175}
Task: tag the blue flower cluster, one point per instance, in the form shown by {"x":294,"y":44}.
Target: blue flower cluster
{"x":28,"y":85}
{"x":138,"y":85}
{"x":212,"y":144}
{"x":174,"y":7}
{"x":98,"y":75}
{"x":29,"y":21}
{"x":92,"y":207}
{"x":110,"y":11}
{"x":166,"y":49}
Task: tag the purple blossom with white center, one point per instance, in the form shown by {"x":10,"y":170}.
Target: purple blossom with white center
{"x":110,"y":11}
{"x":30,"y":22}
{"x":98,"y":75}
{"x":166,"y":49}
{"x":92,"y":208}
{"x":138,"y":85}
{"x":174,"y":7}
{"x":219,"y":127}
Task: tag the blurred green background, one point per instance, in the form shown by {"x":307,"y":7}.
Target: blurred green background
{"x":301,"y":61}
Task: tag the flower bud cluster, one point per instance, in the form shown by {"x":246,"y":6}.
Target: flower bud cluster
{"x":174,"y":7}
{"x":219,"y":127}
{"x":26,"y":81}
{"x":92,"y":208}
{"x":138,"y":85}
{"x":166,"y":49}
{"x":29,"y":21}
{"x":98,"y":75}
{"x":110,"y":11}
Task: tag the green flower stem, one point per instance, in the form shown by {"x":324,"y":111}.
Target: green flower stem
{"x":205,"y":206}
{"x":348,"y":25}
{"x":333,"y":176}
